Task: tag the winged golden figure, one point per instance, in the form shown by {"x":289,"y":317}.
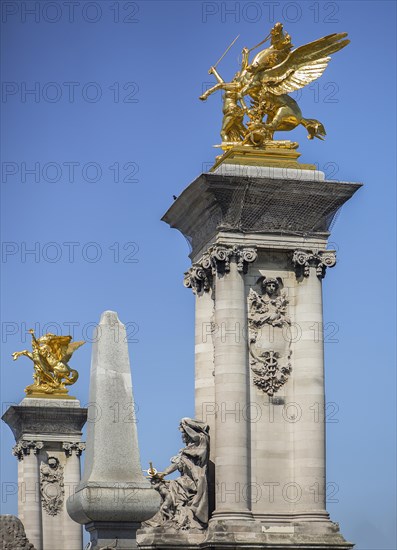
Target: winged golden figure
{"x":266,"y":82}
{"x":50,"y":355}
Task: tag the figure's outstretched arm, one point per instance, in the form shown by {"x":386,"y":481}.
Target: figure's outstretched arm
{"x":210,"y":91}
{"x":170,"y":469}
{"x":216,"y":75}
{"x":17,"y":354}
{"x":219,"y":86}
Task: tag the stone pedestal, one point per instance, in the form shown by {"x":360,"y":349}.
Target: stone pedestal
{"x":48,"y":448}
{"x":113,"y":497}
{"x":259,"y":254}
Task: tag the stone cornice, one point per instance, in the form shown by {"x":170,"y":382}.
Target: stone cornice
{"x":262,"y":205}
{"x":50,"y":420}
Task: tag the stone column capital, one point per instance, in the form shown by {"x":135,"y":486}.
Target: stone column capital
{"x":77,"y":448}
{"x":24,"y":447}
{"x":303,"y":260}
{"x":216,"y":260}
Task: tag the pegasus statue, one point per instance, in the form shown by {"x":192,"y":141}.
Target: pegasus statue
{"x":50,"y":355}
{"x":266,"y":82}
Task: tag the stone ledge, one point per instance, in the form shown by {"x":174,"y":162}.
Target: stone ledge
{"x":218,"y":202}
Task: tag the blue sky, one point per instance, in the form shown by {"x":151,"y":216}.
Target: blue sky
{"x":113,"y":129}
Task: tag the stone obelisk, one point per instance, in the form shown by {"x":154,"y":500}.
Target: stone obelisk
{"x":259,"y":255}
{"x":113,"y":497}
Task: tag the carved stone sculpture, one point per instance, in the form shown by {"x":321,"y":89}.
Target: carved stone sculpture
{"x":12,"y":534}
{"x":52,"y":486}
{"x":77,"y":447}
{"x":24,"y":447}
{"x":217,"y":260}
{"x":304,"y":259}
{"x":269,"y":335}
{"x":184,"y":503}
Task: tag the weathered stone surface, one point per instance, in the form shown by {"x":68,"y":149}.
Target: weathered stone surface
{"x":217,"y":202}
{"x":113,"y":491}
{"x":42,"y":426}
{"x":267,"y":424}
{"x":47,"y":416}
{"x":12,"y":534}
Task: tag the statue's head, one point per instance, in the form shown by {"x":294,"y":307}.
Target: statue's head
{"x":270,"y":285}
{"x":190,"y":429}
{"x":280,"y":40}
{"x":53,"y":462}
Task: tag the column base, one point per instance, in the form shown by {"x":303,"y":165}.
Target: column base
{"x":251,"y":534}
{"x":112,"y":534}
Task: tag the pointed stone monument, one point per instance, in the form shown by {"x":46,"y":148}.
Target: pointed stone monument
{"x":113,"y":497}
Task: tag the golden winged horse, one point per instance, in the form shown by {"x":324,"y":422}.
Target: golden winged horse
{"x":274,"y":73}
{"x":50,"y":355}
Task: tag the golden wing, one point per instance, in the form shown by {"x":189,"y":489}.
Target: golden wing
{"x":57,"y":344}
{"x":303,"y":65}
{"x":70,"y":350}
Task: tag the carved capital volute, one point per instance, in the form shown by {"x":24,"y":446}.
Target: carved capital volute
{"x":303,"y":260}
{"x":24,"y":447}
{"x":216,"y":260}
{"x":71,"y":448}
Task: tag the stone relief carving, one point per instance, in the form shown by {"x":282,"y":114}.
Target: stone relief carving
{"x":24,"y":447}
{"x":269,"y":342}
{"x":304,"y":259}
{"x":217,"y":260}
{"x":52,"y":486}
{"x":184,"y":503}
{"x":12,"y":534}
{"x":70,"y":448}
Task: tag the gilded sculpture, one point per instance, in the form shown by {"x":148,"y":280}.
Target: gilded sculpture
{"x":50,"y":355}
{"x":265,"y":82}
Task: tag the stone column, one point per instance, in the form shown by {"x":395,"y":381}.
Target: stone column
{"x":73,"y":452}
{"x":205,"y":403}
{"x":309,"y":390}
{"x":21,"y":500}
{"x":232,"y":460}
{"x":29,"y":491}
{"x":200,"y":279}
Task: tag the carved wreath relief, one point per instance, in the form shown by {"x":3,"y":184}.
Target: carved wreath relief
{"x":269,"y":342}
{"x":52,"y":486}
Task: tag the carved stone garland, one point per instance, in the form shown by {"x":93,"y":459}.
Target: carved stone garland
{"x":304,"y":259}
{"x":52,"y":486}
{"x":217,"y":260}
{"x":267,"y":316}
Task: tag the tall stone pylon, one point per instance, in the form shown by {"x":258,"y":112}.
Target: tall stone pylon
{"x":113,"y":497}
{"x":259,"y":255}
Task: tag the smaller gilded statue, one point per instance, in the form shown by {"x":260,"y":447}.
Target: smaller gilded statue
{"x":50,"y":355}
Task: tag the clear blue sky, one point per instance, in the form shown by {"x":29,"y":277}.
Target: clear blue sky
{"x":114,"y":129}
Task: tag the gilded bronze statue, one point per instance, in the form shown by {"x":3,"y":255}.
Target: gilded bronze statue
{"x":266,"y":82}
{"x":50,"y":355}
